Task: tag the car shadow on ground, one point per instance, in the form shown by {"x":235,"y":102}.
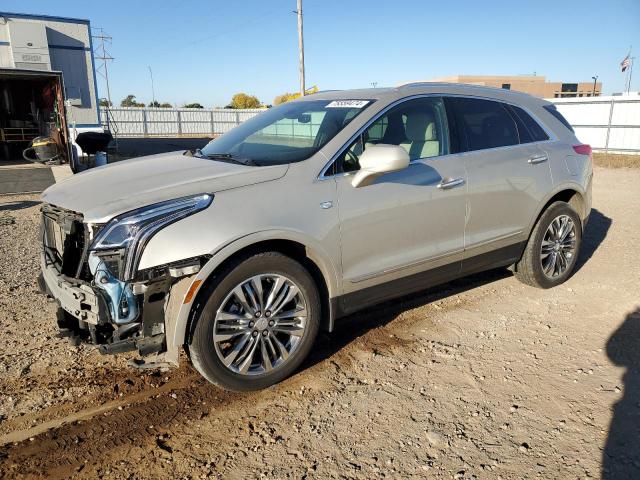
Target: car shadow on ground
{"x":595,"y":233}
{"x":349,"y":328}
{"x":18,"y":205}
{"x":621,"y":456}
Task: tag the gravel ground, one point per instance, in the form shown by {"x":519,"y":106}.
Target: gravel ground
{"x":481,"y":378}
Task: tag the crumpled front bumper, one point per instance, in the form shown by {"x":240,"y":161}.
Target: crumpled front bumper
{"x":74,"y":296}
{"x":90,"y":320}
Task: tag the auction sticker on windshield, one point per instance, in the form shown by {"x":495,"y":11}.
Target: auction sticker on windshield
{"x":347,"y":104}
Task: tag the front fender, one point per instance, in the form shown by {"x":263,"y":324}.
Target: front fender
{"x":313,"y":249}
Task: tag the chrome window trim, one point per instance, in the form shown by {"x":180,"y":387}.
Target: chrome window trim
{"x":323,"y":173}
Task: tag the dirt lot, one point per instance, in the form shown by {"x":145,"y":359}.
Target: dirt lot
{"x":482,"y":378}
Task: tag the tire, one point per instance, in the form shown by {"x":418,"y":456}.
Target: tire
{"x":535,"y":267}
{"x":286,"y":339}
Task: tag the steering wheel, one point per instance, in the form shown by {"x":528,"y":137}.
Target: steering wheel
{"x":351,"y":162}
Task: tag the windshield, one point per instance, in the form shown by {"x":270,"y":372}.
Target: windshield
{"x":288,"y":133}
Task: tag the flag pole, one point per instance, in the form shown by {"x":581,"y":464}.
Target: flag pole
{"x":629,"y":70}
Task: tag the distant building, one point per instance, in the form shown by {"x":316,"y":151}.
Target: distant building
{"x":47,"y":82}
{"x":532,"y":84}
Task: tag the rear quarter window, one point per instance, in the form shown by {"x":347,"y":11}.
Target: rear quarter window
{"x":554,"y":111}
{"x":535,"y":131}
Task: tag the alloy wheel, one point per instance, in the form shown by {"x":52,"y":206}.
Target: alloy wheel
{"x":558,"y":247}
{"x":260,"y":324}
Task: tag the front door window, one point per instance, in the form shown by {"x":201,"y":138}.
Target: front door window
{"x":419,"y":126}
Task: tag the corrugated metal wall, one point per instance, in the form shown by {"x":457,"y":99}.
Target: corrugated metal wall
{"x":69,"y":45}
{"x":173,"y":122}
{"x":610,"y":123}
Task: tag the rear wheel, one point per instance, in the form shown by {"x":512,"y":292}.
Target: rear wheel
{"x":552,"y":250}
{"x":258,"y":325}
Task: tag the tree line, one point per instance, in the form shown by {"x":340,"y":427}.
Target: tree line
{"x":239,"y":101}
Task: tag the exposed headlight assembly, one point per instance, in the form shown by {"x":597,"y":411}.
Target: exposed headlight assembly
{"x":131,"y":231}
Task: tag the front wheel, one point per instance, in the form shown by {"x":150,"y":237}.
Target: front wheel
{"x":258,"y":324}
{"x":552,"y":250}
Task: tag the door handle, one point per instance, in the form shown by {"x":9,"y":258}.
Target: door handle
{"x":538,"y":159}
{"x":450,"y":183}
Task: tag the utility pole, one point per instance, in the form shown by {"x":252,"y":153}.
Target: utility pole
{"x":595,"y":79}
{"x":153,"y":92}
{"x":300,"y":47}
{"x":104,"y":55}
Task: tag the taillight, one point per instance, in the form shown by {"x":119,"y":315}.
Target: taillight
{"x":582,"y":149}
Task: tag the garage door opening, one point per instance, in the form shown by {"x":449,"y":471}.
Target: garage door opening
{"x":31,"y":105}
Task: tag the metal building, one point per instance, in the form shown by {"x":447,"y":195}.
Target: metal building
{"x":47,"y":81}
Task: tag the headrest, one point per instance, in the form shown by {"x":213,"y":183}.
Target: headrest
{"x":420,"y":127}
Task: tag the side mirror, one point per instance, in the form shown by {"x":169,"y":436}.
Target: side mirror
{"x":377,"y":160}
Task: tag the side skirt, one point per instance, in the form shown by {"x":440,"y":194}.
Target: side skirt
{"x":352,"y":302}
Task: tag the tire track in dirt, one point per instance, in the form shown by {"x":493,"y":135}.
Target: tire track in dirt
{"x":63,"y":450}
{"x":20,"y":435}
{"x":97,"y":384}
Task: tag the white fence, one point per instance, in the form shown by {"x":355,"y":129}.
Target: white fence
{"x":606,"y":123}
{"x":610,"y":124}
{"x":173,"y":122}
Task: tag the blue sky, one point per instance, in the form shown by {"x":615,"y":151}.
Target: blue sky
{"x":205,"y":51}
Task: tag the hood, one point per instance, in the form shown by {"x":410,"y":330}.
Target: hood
{"x":101,"y":193}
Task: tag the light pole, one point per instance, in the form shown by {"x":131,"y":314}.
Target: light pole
{"x":153,"y":92}
{"x":595,"y":79}
{"x":301,"y":47}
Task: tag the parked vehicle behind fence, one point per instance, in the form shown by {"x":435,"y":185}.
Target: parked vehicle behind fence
{"x":239,"y":253}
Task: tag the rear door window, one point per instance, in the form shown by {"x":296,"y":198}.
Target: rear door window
{"x":484,"y":124}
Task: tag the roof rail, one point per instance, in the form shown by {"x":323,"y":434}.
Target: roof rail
{"x":469,"y":86}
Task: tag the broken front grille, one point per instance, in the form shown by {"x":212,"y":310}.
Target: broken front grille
{"x":64,"y":240}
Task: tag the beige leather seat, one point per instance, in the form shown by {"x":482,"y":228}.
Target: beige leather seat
{"x":420,"y":130}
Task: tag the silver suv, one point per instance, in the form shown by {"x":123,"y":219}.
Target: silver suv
{"x":240,"y":252}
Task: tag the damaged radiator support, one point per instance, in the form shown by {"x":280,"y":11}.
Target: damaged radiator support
{"x":155,"y":331}
{"x":149,"y":336}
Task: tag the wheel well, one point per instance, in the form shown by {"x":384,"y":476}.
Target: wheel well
{"x":570,"y":196}
{"x":290,"y":248}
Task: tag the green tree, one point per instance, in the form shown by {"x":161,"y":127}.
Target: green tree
{"x":157,"y":104}
{"x":193,"y":105}
{"x":105,"y":103}
{"x":287,"y":97}
{"x":242,"y":100}
{"x":130,"y":101}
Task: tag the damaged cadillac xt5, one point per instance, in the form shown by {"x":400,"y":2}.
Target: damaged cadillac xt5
{"x":239,"y":253}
